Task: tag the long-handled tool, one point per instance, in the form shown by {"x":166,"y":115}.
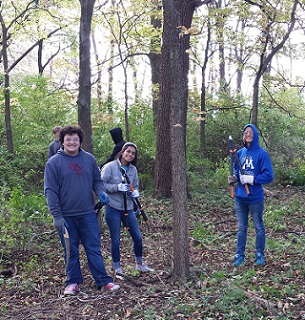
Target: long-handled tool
{"x":98,"y":207}
{"x":67,"y":245}
{"x":141,"y":208}
{"x":234,"y":157}
{"x":232,"y":150}
{"x":125,"y":217}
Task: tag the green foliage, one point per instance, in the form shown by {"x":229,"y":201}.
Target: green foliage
{"x":293,"y":175}
{"x":21,"y":216}
{"x":141,"y":133}
{"x":283,"y":133}
{"x":10,"y":172}
{"x":225,"y":116}
{"x":35,"y":108}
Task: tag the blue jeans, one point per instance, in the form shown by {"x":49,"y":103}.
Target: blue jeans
{"x":113,"y":219}
{"x":242,"y":212}
{"x":85,"y":228}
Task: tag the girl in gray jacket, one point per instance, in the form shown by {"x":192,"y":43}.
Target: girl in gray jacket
{"x":120,"y":208}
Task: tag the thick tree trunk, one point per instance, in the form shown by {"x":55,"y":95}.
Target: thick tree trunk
{"x":163,"y":176}
{"x":171,"y":140}
{"x":84,"y":95}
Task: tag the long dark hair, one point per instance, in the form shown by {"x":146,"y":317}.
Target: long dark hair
{"x":125,"y":146}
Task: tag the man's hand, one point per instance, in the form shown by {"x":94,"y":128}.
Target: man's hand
{"x":123,"y":187}
{"x":60,"y":223}
{"x":103,"y":197}
{"x":232,"y":179}
{"x":244,"y":179}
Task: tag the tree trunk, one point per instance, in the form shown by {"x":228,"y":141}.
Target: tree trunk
{"x":110,"y":79}
{"x":221,"y":53}
{"x":203,"y":94}
{"x":8,"y":126}
{"x":155,"y":63}
{"x":172,"y":110}
{"x":266,"y":58}
{"x":84,"y":95}
{"x":163,"y":175}
{"x":239,"y":55}
{"x":99,"y":73}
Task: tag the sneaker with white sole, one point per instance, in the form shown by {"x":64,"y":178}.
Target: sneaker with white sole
{"x":238,"y":260}
{"x":71,"y":289}
{"x":144,"y":268}
{"x":259,"y":259}
{"x":112,"y":287}
{"x":119,"y":271}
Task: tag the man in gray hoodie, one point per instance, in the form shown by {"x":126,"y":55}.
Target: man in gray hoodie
{"x":70,"y":179}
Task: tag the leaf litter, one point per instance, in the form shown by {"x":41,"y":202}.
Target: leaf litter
{"x":215,"y":290}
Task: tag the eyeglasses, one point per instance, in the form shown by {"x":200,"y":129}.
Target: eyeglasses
{"x":76,"y":139}
{"x":249,"y":133}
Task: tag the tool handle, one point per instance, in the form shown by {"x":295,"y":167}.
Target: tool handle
{"x":137,"y":200}
{"x":232,"y":191}
{"x":142,"y":210}
{"x":125,"y":221}
{"x":139,"y":205}
{"x":247,"y":188}
{"x":131,"y":187}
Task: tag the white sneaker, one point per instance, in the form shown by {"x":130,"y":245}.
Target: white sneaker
{"x":119,"y":271}
{"x":143,"y":268}
{"x":71,"y":289}
{"x":112,"y":287}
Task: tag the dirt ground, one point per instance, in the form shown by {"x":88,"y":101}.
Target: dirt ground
{"x":35,"y":290}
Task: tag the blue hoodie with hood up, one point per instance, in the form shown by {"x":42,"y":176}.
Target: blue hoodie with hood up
{"x":255,"y":161}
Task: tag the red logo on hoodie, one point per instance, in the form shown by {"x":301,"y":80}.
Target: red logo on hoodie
{"x":78,"y":169}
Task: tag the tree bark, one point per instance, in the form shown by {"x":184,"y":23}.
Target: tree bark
{"x":172,"y":121}
{"x":155,"y":63}
{"x":203,"y":94}
{"x":84,"y":95}
{"x":8,"y":126}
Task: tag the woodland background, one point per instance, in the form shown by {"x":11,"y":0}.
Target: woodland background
{"x":178,"y":77}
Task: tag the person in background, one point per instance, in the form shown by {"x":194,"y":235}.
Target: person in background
{"x":70,"y":178}
{"x":55,"y":145}
{"x":118,"y":190}
{"x":117,"y":137}
{"x":257,"y":170}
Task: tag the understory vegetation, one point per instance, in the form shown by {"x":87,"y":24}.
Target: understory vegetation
{"x":31,"y":263}
{"x":32,"y":280}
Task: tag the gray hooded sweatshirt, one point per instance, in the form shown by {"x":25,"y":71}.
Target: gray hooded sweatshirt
{"x":111,"y":175}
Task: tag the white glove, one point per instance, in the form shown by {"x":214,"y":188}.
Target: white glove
{"x":134,"y":194}
{"x":123,"y":187}
{"x":244,"y":179}
{"x":232,"y":179}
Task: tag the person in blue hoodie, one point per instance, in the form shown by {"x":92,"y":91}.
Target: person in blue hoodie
{"x":256,"y":171}
{"x":71,"y":178}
